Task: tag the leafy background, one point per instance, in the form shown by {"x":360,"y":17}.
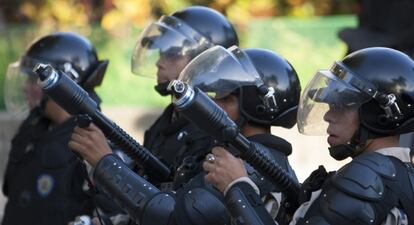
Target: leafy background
{"x":303,"y":31}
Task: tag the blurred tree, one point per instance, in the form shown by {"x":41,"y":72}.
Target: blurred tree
{"x":122,"y":14}
{"x":164,"y":7}
{"x":242,"y":11}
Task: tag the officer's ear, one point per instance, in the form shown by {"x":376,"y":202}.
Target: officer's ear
{"x":96,"y":78}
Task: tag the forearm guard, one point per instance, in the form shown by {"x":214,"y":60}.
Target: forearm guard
{"x":139,"y":198}
{"x":246,"y":207}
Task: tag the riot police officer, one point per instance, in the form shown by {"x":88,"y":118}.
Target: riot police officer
{"x":364,"y":102}
{"x":163,"y":49}
{"x":44,"y":181}
{"x":196,"y":202}
{"x":382,"y":23}
{"x":258,"y":89}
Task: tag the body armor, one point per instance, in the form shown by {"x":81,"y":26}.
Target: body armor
{"x":44,"y":179}
{"x":372,"y":184}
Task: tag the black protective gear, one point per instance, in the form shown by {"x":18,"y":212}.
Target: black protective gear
{"x":139,"y":198}
{"x":267,"y":84}
{"x":178,"y":38}
{"x":276,"y":72}
{"x":190,"y":197}
{"x":376,"y":82}
{"x":173,"y":139}
{"x":372,"y":184}
{"x":246,"y":206}
{"x":199,"y":203}
{"x":70,"y":53}
{"x":242,"y":207}
{"x":382,"y":114}
{"x":278,"y":150}
{"x":161,"y":88}
{"x":210,"y":24}
{"x":44,"y":179}
{"x":195,"y":200}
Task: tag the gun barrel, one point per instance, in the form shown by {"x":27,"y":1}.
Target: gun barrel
{"x":72,"y":98}
{"x":197,"y":107}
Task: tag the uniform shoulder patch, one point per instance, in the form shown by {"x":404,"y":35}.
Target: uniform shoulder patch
{"x":45,"y":184}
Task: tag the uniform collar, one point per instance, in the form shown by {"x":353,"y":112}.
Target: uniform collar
{"x":273,"y":142}
{"x":401,"y":153}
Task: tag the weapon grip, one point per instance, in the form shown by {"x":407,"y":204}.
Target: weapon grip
{"x":83,"y":120}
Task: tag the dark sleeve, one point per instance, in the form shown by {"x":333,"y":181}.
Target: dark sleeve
{"x":246,"y":207}
{"x":138,"y":197}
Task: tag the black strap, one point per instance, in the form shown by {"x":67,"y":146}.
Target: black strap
{"x":93,"y":189}
{"x":405,"y":201}
{"x":408,"y":208}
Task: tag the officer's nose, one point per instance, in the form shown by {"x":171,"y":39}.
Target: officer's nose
{"x":159,"y":63}
{"x":329,"y":116}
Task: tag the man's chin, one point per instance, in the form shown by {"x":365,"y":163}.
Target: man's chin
{"x":333,"y":141}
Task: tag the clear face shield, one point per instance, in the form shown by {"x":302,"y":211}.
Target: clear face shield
{"x":219,"y":71}
{"x":21,"y":91}
{"x":165,"y":47}
{"x":328,"y":91}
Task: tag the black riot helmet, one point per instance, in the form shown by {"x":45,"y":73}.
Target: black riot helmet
{"x":267,"y":84}
{"x":278,"y":107}
{"x":178,"y":38}
{"x":210,"y":24}
{"x":68,"y":52}
{"x":378,"y":82}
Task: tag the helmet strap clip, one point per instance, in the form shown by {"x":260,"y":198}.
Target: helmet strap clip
{"x":68,"y":68}
{"x":390,"y":106}
{"x":270,"y":100}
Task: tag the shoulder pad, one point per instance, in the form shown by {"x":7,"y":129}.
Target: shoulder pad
{"x":379,"y":163}
{"x":362,"y":177}
{"x":339,"y":208}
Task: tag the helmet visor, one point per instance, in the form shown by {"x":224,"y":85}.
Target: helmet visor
{"x":220,"y":71}
{"x":21,"y":91}
{"x":323,"y":93}
{"x":169,"y":39}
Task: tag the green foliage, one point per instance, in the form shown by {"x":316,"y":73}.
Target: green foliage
{"x":309,"y":44}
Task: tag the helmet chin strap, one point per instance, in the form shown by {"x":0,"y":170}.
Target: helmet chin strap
{"x":354,"y":147}
{"x":240,"y":121}
{"x":161,"y":88}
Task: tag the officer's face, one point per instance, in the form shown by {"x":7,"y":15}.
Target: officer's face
{"x":343,"y":123}
{"x":230,"y":104}
{"x":169,"y":67}
{"x":32,"y":92}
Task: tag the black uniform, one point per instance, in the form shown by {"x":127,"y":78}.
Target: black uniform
{"x":170,"y":134}
{"x":44,"y":179}
{"x":180,"y":145}
{"x":373,"y":184}
{"x":194,"y":200}
{"x":362,"y":192}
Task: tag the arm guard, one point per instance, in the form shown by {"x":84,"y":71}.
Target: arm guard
{"x":246,"y":207}
{"x":139,"y":198}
